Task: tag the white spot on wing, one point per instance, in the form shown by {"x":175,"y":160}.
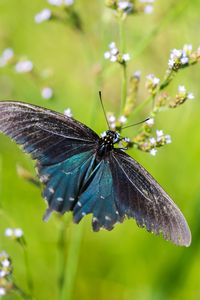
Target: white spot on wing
{"x":102,"y":197}
{"x":79,"y":203}
{"x":107,"y":218}
{"x":71,"y":198}
{"x":60,"y":199}
{"x":51,"y":190}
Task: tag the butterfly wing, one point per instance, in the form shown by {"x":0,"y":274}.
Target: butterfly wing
{"x":62,"y":146}
{"x":48,"y":136}
{"x":98,"y":198}
{"x":139,"y":196}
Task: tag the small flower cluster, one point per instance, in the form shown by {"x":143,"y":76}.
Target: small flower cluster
{"x":181,"y":97}
{"x":152,"y":83}
{"x":124,"y":7}
{"x":114,"y":54}
{"x":46,"y":14}
{"x":180,"y":58}
{"x":20,"y":65}
{"x":24,"y":66}
{"x":146,"y":142}
{"x":121,"y":7}
{"x":115,"y":123}
{"x":14,"y":233}
{"x":5,"y":272}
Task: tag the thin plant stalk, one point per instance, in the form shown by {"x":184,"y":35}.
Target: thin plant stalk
{"x":124,"y":68}
{"x":72,"y":263}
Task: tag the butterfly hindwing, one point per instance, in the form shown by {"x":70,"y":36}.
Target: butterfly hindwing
{"x":98,"y":198}
{"x":139,"y":196}
{"x":64,"y":180}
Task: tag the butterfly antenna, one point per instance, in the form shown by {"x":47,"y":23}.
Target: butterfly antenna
{"x":136,"y":123}
{"x":103,"y":109}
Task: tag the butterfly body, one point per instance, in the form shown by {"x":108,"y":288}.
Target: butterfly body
{"x":86,"y":174}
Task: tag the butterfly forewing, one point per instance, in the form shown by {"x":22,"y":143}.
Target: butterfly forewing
{"x":48,"y":136}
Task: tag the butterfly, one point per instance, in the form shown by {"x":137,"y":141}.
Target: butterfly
{"x":86,"y":173}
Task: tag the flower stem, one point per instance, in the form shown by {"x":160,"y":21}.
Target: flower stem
{"x":124,"y":67}
{"x":28,"y":272}
{"x":20,"y":292}
{"x":72,"y":263}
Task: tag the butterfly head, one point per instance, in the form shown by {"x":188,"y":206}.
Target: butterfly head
{"x":109,"y":138}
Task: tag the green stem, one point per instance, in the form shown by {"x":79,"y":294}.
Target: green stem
{"x":124,"y":68}
{"x":166,"y":81}
{"x":20,"y":292}
{"x":28,"y":272}
{"x":72,"y":263}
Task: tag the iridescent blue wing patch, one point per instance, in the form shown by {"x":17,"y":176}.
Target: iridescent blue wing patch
{"x":98,"y":198}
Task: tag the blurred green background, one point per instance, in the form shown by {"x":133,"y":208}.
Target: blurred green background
{"x":126,"y":263}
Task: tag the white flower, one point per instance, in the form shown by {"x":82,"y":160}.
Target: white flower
{"x":184,"y":60}
{"x":126,"y":57}
{"x":190,"y":96}
{"x":42,"y":16}
{"x":15,"y":232}
{"x":113,"y":58}
{"x":2,"y":274}
{"x":171,"y":63}
{"x":114,"y":51}
{"x":123,"y":5}
{"x":150,"y":121}
{"x":24,"y":66}
{"x":168,"y":139}
{"x":159,"y":133}
{"x":148,"y":9}
{"x":152,"y":140}
{"x":122,"y":119}
{"x":112,"y":125}
{"x":55,"y":2}
{"x":8,"y":53}
{"x":176,"y":53}
{"x":152,"y":80}
{"x":2,"y":291}
{"x":107,"y":55}
{"x":5,"y":263}
{"x":182,"y":89}
{"x":137,"y":74}
{"x":47,"y":93}
{"x":111,"y":118}
{"x":68,"y":2}
{"x":153,"y":151}
{"x":18,"y":232}
{"x":112,"y":45}
{"x":8,"y":232}
{"x":68,"y":112}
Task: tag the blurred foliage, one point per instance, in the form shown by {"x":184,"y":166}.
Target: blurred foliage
{"x":126,"y":263}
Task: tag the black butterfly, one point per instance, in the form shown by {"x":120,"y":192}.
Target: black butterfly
{"x":85,"y":173}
